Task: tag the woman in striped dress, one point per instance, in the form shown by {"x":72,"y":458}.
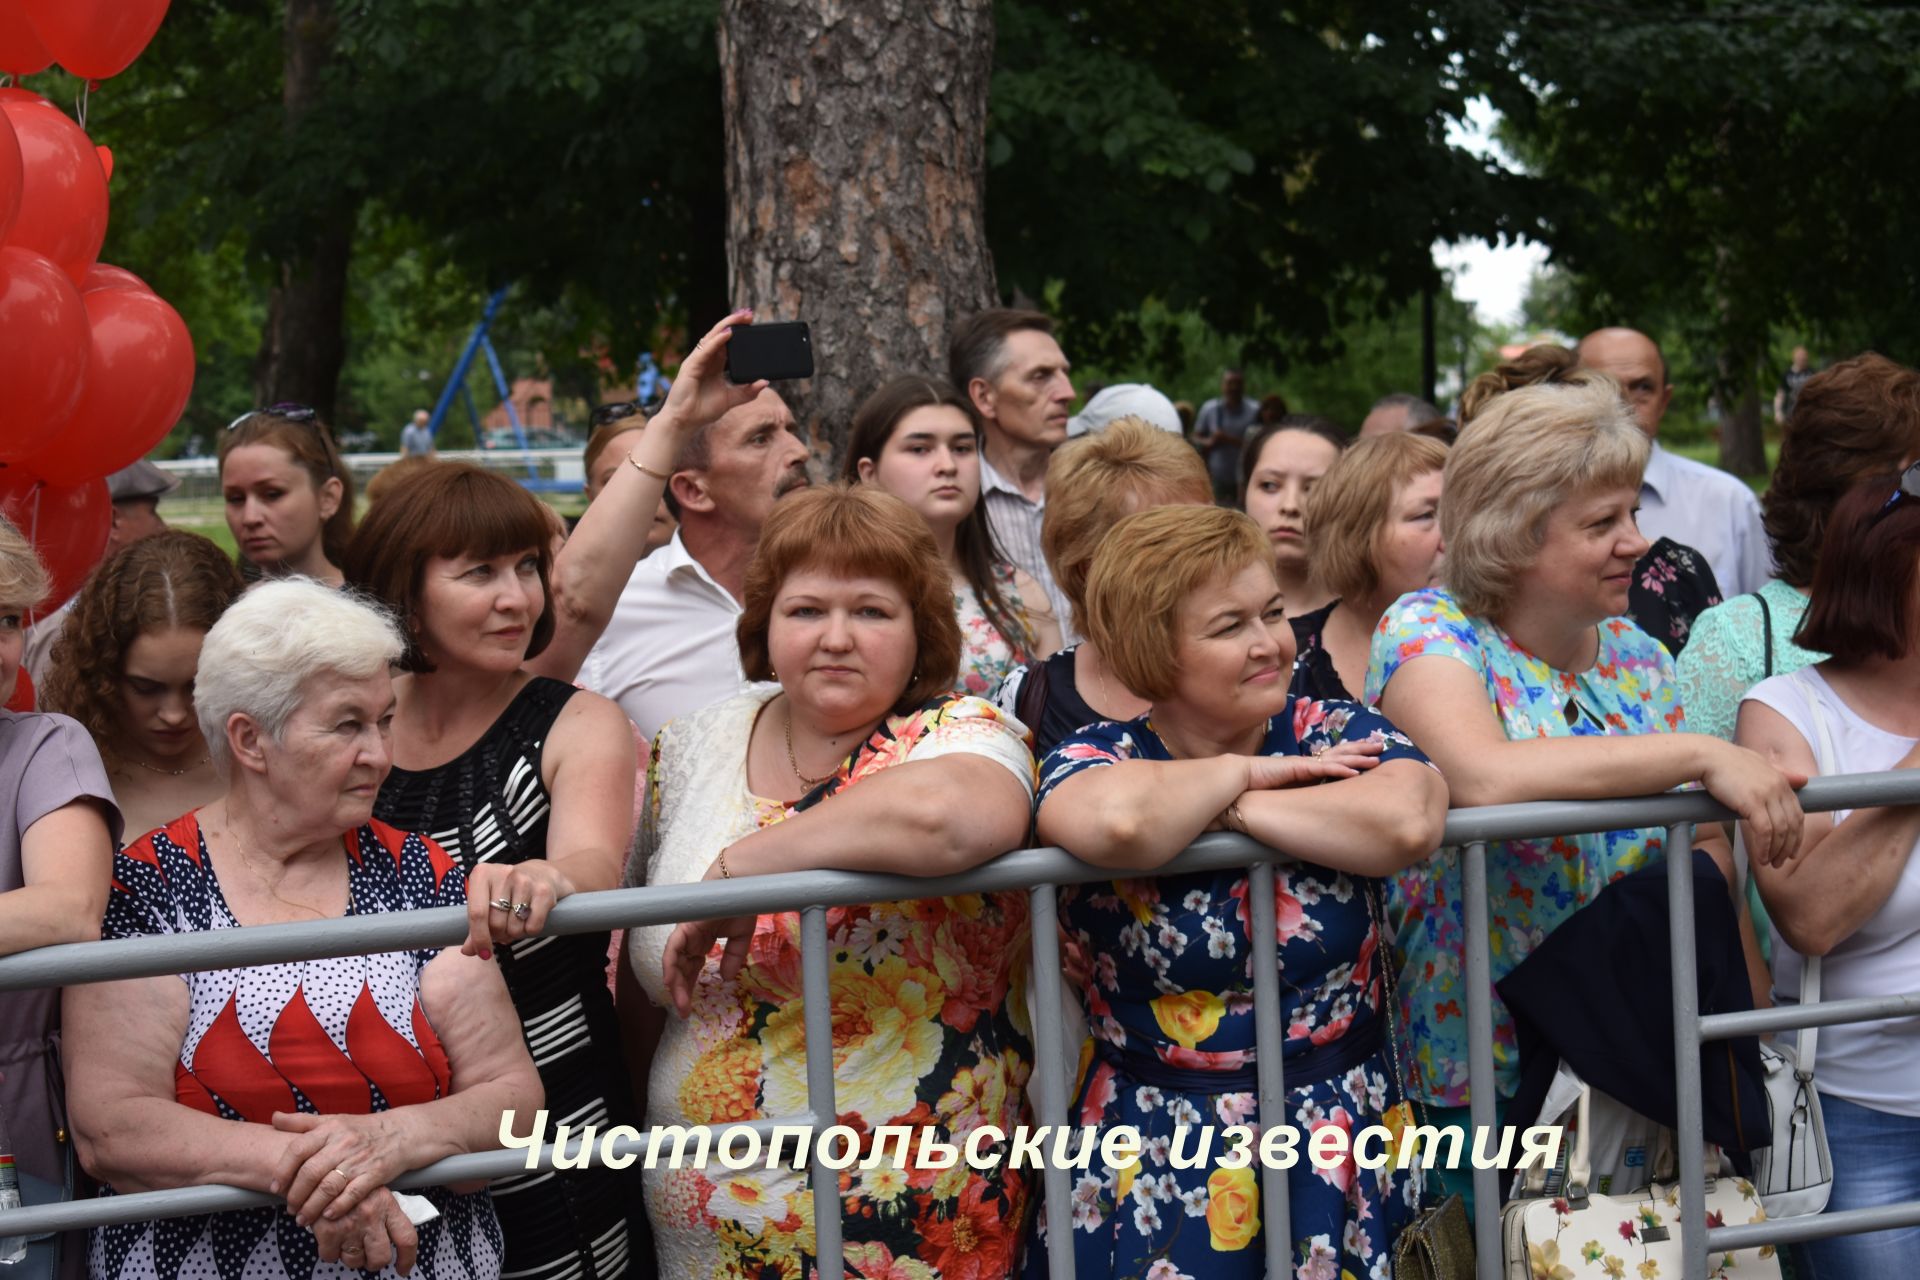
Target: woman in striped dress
{"x":528,"y":782}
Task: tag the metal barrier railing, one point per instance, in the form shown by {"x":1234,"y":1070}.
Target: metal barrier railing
{"x":1039,"y":872}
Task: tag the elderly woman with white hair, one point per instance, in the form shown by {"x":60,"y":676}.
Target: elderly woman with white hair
{"x":1522,"y":681}
{"x":321,"y":1081}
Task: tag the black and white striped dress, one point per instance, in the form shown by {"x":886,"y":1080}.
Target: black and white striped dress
{"x":490,"y":805}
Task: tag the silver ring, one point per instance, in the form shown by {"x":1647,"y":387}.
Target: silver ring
{"x":501,"y":904}
{"x":521,"y":910}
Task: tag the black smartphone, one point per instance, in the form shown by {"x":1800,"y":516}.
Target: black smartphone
{"x":775,"y":352}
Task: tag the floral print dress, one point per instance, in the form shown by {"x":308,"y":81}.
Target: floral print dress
{"x":1534,"y":884}
{"x":986,"y":653}
{"x":930,"y":1027}
{"x":1172,"y":1045}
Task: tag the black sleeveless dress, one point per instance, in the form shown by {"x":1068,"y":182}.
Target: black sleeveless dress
{"x":490,"y":805}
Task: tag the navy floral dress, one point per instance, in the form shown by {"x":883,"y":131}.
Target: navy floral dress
{"x":1170,"y":1008}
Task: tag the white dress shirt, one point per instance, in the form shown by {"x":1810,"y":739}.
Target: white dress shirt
{"x":670,"y":648}
{"x":1711,"y":511}
{"x":1015,"y":520}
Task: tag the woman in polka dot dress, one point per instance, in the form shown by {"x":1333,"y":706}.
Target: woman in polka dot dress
{"x":318,"y":1082}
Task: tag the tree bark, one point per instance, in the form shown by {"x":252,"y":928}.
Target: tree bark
{"x":856,"y":172}
{"x":303,"y":347}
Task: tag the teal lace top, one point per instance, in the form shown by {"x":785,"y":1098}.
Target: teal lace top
{"x":1727,"y":655}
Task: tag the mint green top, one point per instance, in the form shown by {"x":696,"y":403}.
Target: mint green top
{"x":1726,"y":656}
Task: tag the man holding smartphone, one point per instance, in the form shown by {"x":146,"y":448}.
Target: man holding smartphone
{"x":1012,"y":371}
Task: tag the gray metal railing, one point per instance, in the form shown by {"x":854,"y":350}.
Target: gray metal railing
{"x":1039,"y":872}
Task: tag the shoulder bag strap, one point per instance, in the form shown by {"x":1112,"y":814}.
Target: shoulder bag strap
{"x":1766,"y":628}
{"x":1827,"y":757}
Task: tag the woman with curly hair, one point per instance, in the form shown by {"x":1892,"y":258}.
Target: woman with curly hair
{"x":125,"y":663}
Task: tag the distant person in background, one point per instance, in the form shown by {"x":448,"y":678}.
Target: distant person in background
{"x":1185,"y":409}
{"x":289,"y":497}
{"x":1221,"y":428}
{"x":1790,"y":383}
{"x":136,"y":491}
{"x":1272,"y":409}
{"x":616,"y":433}
{"x":1281,"y":465}
{"x":1125,"y":400}
{"x":1696,"y":505}
{"x":415,"y":440}
{"x":1009,"y":368}
{"x":1400,"y":411}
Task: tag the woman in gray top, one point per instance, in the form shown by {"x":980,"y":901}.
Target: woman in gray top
{"x":58,"y":826}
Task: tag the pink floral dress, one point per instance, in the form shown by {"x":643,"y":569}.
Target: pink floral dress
{"x":986,"y":655}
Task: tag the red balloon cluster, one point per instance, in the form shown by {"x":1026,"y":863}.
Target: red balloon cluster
{"x":94,"y":367}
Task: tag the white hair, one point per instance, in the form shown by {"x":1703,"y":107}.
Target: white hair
{"x":260,"y":657}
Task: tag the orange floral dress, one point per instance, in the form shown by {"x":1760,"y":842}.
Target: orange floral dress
{"x":929,"y":1026}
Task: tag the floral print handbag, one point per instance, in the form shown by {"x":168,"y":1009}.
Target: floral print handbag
{"x":1577,"y":1236}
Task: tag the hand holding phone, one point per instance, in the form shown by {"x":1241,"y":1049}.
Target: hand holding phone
{"x":774,"y":352}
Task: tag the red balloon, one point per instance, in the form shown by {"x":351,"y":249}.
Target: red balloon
{"x":21,"y":51}
{"x":14,"y":93}
{"x":95,"y":39}
{"x":138,"y":379}
{"x":44,"y":347}
{"x":67,"y":525}
{"x":10,"y":177}
{"x":63,"y":191}
{"x":102,"y":275}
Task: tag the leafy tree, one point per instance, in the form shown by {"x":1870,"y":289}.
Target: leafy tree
{"x":1720,"y":167}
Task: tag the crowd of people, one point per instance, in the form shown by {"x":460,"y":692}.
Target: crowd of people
{"x":1004,"y":623}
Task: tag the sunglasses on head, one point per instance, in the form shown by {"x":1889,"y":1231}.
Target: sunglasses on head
{"x":1909,"y":487}
{"x":606,"y":413}
{"x":286,"y":410}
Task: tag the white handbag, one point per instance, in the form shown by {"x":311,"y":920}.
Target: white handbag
{"x":1578,"y":1236}
{"x":1795,"y":1174}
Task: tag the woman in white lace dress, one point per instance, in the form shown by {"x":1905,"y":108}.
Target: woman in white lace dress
{"x":861,"y":761}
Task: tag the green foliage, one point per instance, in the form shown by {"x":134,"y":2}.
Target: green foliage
{"x":1723,"y":169}
{"x":1280,"y":171}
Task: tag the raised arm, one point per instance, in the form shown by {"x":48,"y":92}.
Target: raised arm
{"x":1442,"y":705}
{"x":589,"y":765}
{"x":1846,"y":872}
{"x":66,"y":861}
{"x":593,"y":568}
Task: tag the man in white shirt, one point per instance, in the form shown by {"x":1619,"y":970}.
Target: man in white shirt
{"x":670,"y":646}
{"x":415,"y":440}
{"x":1008,"y":366}
{"x":1690,"y":502}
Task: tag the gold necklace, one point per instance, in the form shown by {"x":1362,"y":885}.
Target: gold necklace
{"x":171,"y":773}
{"x":794,"y":763}
{"x":226,"y":825}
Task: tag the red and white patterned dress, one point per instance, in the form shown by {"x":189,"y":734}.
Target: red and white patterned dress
{"x":344,"y":1036}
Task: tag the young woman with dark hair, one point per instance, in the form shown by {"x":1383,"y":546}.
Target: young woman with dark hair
{"x":914,"y":438}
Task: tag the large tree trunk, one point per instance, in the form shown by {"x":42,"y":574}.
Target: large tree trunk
{"x":303,"y":346}
{"x":856,"y":166}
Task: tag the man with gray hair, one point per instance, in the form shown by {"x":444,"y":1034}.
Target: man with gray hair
{"x":1010,"y":369}
{"x":1398,"y":411}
